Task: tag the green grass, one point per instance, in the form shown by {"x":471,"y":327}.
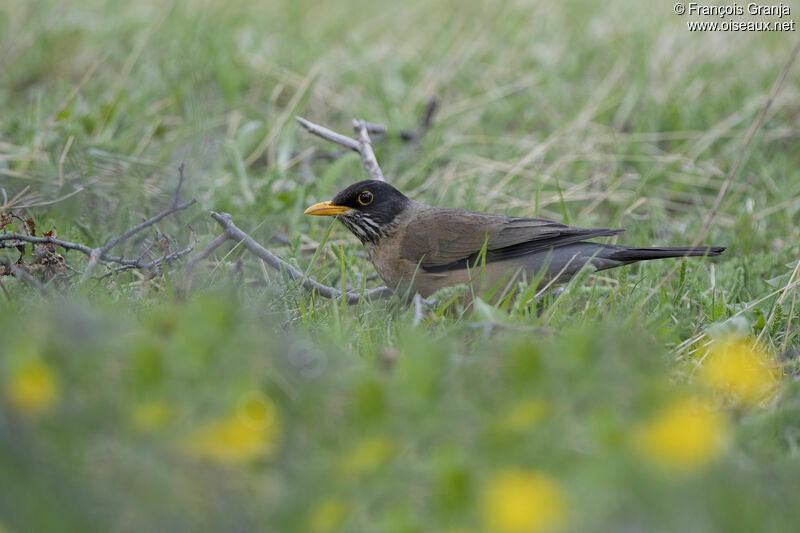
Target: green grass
{"x":597,"y":114}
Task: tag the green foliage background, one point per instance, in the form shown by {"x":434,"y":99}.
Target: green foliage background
{"x":599,"y":114}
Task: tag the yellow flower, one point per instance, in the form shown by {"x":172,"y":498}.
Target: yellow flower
{"x":685,"y":435}
{"x":33,"y":388}
{"x":740,"y":370}
{"x":368,"y":455}
{"x":150,"y":416}
{"x":523,"y":415}
{"x":238,"y":438}
{"x":256,"y":409}
{"x":520,"y":501}
{"x":328,"y":515}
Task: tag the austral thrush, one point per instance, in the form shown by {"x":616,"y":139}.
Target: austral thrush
{"x":422,"y":248}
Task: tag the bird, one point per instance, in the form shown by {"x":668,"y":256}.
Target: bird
{"x":420,"y":249}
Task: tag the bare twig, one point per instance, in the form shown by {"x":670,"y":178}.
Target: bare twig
{"x":366,"y":152}
{"x":424,"y":123}
{"x":12,"y":237}
{"x":231,"y":231}
{"x":175,"y":207}
{"x":377,"y":129}
{"x":205,"y":252}
{"x":166,"y":257}
{"x":328,"y":135}
{"x":101,"y":255}
{"x":408,"y":136}
{"x":361,"y":144}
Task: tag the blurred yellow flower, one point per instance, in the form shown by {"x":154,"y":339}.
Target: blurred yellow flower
{"x":238,"y":438}
{"x":740,"y":370}
{"x":685,"y":435}
{"x":256,"y":409}
{"x":150,"y":416}
{"x":33,"y":387}
{"x":328,"y":515}
{"x":520,"y":501}
{"x":523,"y":415}
{"x":368,"y":455}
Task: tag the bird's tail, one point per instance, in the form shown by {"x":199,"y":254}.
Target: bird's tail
{"x":629,"y":255}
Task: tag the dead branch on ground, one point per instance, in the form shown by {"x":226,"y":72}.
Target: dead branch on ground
{"x":408,"y":136}
{"x":361,"y":144}
{"x":424,"y":123}
{"x":47,"y":262}
{"x":232,"y":232}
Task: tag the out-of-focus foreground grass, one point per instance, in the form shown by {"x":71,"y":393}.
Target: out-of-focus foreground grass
{"x":194,"y":417}
{"x":231,"y":400}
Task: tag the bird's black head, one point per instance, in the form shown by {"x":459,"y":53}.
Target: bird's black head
{"x":367,"y":208}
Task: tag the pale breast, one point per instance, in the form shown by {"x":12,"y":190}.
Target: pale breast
{"x":391,"y":267}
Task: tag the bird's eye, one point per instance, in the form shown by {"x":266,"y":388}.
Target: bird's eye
{"x":365,"y":198}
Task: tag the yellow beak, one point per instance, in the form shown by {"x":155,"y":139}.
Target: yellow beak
{"x":326,"y":209}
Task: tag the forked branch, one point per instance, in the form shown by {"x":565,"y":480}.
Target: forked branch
{"x":46,"y":246}
{"x":361,"y":144}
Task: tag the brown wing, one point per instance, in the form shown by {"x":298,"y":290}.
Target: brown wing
{"x":442,"y":239}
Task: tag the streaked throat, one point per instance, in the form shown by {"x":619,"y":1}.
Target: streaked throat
{"x":362,"y":226}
